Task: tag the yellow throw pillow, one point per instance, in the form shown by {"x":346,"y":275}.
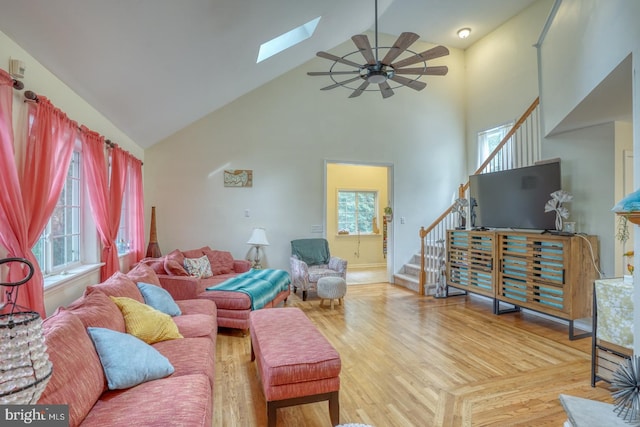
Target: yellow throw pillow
{"x":145,"y":322}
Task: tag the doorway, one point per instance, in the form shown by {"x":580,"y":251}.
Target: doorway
{"x":354,"y":225}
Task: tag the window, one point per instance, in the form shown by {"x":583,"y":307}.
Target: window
{"x":356,"y":210}
{"x":59,"y":246}
{"x":488,"y":140}
{"x":123,"y":242}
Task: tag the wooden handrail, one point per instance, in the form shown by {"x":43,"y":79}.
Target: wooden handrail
{"x":464,"y":187}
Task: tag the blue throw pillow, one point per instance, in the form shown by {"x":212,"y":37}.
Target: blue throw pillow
{"x":126,"y":360}
{"x":159,"y":299}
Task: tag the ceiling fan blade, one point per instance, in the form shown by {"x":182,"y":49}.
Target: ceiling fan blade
{"x":331,"y":57}
{"x":435,"y":52}
{"x":360,"y":89}
{"x":440,"y":70}
{"x":362,"y":43}
{"x":413,"y":84}
{"x":331,"y":73}
{"x":385,"y":90}
{"x":333,"y":86}
{"x":401,"y":44}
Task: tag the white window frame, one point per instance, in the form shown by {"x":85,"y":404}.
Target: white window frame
{"x":46,"y":263}
{"x":488,"y":141}
{"x":338,"y":213}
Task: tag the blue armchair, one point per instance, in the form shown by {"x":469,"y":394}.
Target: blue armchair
{"x":311,"y":260}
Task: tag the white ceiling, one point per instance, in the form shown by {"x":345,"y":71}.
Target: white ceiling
{"x":155,"y":66}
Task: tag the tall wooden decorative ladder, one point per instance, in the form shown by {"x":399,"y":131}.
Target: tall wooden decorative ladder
{"x":519,"y":148}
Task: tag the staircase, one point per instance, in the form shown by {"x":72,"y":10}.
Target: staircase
{"x":519,"y":148}
{"x":409,"y":275}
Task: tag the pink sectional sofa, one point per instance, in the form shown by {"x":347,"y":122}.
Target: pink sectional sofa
{"x":184,"y":397}
{"x":233,"y":307}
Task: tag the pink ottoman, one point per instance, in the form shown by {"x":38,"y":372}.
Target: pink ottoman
{"x":295,"y":362}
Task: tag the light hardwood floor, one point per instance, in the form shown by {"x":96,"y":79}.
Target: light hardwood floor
{"x":409,"y":360}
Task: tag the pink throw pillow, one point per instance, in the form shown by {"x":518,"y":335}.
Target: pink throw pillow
{"x":97,"y":310}
{"x":195,"y":253}
{"x":156,"y":264}
{"x":144,"y":273}
{"x":176,"y":255}
{"x":174,"y":268}
{"x":118,"y":285}
{"x":221,"y":261}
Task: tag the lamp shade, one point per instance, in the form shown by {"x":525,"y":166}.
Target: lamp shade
{"x":258,"y":237}
{"x":25,"y":368}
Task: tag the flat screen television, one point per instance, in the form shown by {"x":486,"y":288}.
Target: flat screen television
{"x":514,"y":198}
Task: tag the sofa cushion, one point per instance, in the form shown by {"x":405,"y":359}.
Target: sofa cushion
{"x":145,"y":322}
{"x":98,"y":310}
{"x":198,"y":267}
{"x":229,"y":300}
{"x":195,"y":253}
{"x":77,"y":379}
{"x":193,"y":392}
{"x":118,"y":285}
{"x":199,"y":359}
{"x":143,"y":273}
{"x":159,"y":299}
{"x":221,"y":261}
{"x":128,"y":361}
{"x":197,"y":306}
{"x":196,"y":325}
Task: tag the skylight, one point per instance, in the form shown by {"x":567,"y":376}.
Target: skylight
{"x":286,"y":40}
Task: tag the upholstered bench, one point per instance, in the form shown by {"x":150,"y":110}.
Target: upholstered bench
{"x":296,"y":363}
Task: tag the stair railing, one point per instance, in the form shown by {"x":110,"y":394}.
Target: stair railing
{"x":519,"y":148}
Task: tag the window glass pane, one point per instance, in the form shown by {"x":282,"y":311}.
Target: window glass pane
{"x":59,"y":244}
{"x":356,"y":210}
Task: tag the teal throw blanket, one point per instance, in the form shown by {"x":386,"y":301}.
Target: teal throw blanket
{"x":262,"y":286}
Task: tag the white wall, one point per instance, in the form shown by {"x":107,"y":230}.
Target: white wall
{"x":585,"y":42}
{"x":623,"y":178}
{"x":284,"y":131}
{"x":41,"y":81}
{"x":587,"y":156}
{"x":502,"y":74}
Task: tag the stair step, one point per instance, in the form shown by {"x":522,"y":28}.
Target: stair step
{"x":407,"y":281}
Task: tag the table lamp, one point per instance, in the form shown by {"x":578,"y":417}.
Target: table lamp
{"x":258,"y":239}
{"x":25,"y":368}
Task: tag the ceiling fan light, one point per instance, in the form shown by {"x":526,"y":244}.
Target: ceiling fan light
{"x":377,"y":77}
{"x":463,"y":33}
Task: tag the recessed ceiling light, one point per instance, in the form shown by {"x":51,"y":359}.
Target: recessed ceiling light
{"x":463,"y":33}
{"x":287,"y":40}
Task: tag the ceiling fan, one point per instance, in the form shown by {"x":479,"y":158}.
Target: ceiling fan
{"x":376,"y":71}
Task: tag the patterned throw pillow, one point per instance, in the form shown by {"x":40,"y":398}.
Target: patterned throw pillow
{"x":145,"y":322}
{"x":198,"y":267}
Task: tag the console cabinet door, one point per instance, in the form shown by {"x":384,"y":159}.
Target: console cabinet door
{"x":470,"y":263}
{"x":533,"y":272}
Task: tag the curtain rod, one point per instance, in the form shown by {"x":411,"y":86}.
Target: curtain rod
{"x":31,"y":96}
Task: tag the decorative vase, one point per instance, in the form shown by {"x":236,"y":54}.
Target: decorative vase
{"x":153,"y":250}
{"x":558,"y":222}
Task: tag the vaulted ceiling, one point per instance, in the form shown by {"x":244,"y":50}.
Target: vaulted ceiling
{"x":155,"y":66}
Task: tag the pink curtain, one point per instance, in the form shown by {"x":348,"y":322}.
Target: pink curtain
{"x":30,"y":190}
{"x":105,"y":194}
{"x":136,"y":208}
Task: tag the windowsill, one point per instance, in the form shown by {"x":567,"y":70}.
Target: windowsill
{"x":358,"y":235}
{"x":53,"y":281}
